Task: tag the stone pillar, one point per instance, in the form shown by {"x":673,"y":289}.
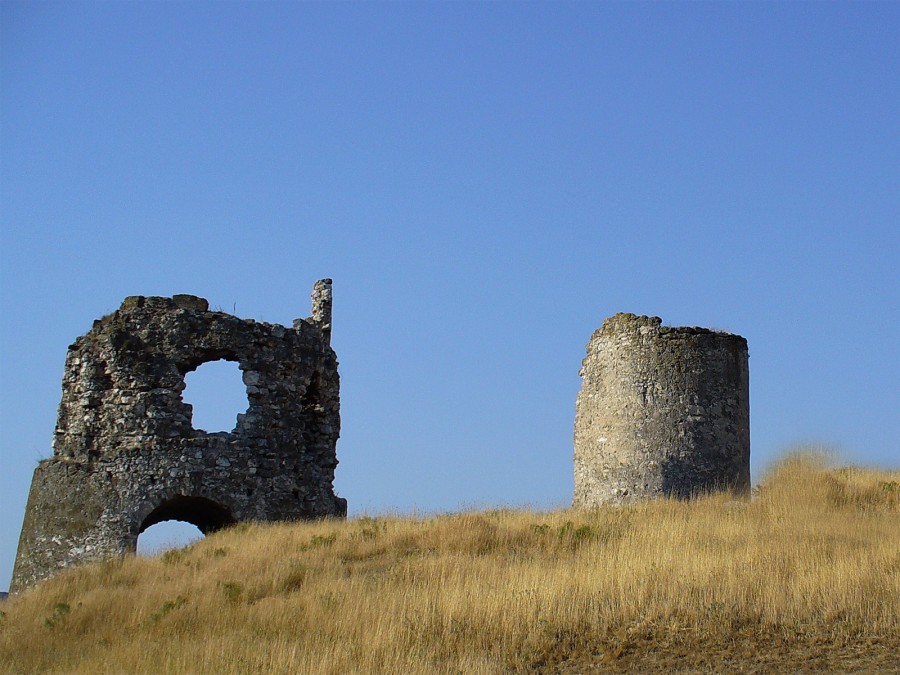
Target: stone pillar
{"x":662,"y":411}
{"x":321,"y":306}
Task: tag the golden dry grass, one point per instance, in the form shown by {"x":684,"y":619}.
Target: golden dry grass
{"x":806,"y":577}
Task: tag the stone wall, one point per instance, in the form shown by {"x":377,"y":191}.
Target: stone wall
{"x":125,"y":453}
{"x":662,"y":412}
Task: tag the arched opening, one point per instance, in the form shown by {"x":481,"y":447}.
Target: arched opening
{"x":169,"y":534}
{"x":180,"y":521}
{"x":216,"y":393}
{"x":205,"y":514}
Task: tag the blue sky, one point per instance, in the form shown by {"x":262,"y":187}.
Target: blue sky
{"x":485,"y":183}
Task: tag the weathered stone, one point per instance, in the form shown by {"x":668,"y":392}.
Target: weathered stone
{"x":662,"y":411}
{"x":126,"y":457}
{"x":321,"y":303}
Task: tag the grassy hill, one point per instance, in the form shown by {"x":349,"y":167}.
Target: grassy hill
{"x":806,"y":577}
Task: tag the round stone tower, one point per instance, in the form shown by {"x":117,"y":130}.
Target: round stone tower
{"x":662,"y":411}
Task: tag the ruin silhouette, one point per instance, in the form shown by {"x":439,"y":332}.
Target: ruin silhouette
{"x":125,"y":453}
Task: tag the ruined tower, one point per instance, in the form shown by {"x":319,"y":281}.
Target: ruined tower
{"x":125,"y":453}
{"x":662,"y":411}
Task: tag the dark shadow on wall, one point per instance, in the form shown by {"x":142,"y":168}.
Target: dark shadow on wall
{"x":690,"y":477}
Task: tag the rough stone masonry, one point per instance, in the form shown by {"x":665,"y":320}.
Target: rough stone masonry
{"x":125,"y":453}
{"x":662,"y":411}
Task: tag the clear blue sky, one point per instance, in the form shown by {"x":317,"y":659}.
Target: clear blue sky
{"x":485,"y":182}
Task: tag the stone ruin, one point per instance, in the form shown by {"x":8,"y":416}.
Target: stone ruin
{"x":662,"y":412}
{"x":125,"y":453}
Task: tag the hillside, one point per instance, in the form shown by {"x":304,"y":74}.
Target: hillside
{"x":806,"y":577}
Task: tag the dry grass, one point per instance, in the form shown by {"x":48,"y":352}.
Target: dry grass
{"x":804,"y":578}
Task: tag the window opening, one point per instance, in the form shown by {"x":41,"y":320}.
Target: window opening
{"x":217,"y":395}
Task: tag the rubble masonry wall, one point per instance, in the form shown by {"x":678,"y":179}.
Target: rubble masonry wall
{"x":125,"y":453}
{"x":662,"y":411}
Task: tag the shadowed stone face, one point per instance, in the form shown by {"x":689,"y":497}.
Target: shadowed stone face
{"x":125,"y":455}
{"x":662,"y":411}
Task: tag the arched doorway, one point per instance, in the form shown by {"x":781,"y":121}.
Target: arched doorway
{"x":166,"y":535}
{"x":186,"y":519}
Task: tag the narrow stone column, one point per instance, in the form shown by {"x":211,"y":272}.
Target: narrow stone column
{"x":321,"y":306}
